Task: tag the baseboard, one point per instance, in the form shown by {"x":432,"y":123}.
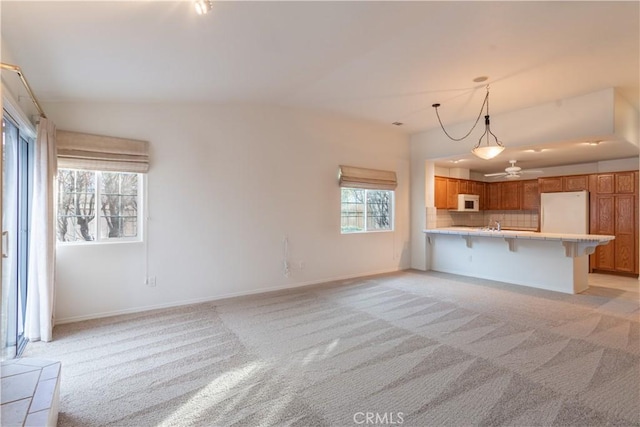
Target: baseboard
{"x":141,"y":309}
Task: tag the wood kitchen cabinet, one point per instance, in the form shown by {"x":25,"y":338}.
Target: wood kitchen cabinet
{"x":614,"y":211}
{"x":575,"y":183}
{"x":441,"y":192}
{"x":605,"y":183}
{"x":550,"y":185}
{"x":446,"y":192}
{"x":625,"y":182}
{"x":452,"y":193}
{"x":493,"y":196}
{"x":510,"y":195}
{"x":464,"y":186}
{"x":625,"y":257}
{"x":556,"y":184}
{"x":530,"y":195}
{"x":503,"y":196}
{"x":478,"y":189}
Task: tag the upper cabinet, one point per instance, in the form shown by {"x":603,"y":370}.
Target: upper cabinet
{"x":556,"y":184}
{"x":530,"y":195}
{"x":575,"y":183}
{"x":452,"y":193}
{"x":550,"y":185}
{"x":479,"y":189}
{"x":441,"y":192}
{"x":510,"y":195}
{"x":504,"y":196}
{"x":605,"y":183}
{"x":464,"y":186}
{"x":446,"y":192}
{"x":492,"y":196}
{"x":626,"y":182}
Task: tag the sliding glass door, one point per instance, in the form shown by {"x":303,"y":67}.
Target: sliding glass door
{"x":16,"y":195}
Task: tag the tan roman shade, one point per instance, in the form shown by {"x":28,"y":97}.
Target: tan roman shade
{"x":354,"y":177}
{"x":104,"y":153}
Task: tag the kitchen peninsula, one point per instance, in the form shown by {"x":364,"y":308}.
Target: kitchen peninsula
{"x":557,"y":262}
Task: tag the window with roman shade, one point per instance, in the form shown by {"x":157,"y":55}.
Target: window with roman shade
{"x":102,"y":153}
{"x":372,"y":179}
{"x":100,"y":187}
{"x":367,"y":199}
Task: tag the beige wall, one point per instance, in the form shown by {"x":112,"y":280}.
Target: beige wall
{"x":226,"y":185}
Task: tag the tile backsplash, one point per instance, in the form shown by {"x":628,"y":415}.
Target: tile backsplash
{"x":513,"y":219}
{"x":508,"y":219}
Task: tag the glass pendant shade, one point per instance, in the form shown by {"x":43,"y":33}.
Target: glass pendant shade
{"x":487,"y":152}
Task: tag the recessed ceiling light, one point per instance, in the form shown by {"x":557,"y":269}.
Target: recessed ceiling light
{"x":536,"y":150}
{"x":481,"y":79}
{"x":397,"y":123}
{"x":457,"y":161}
{"x":593,"y":143}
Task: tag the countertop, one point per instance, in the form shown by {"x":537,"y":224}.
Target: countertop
{"x":520,"y":234}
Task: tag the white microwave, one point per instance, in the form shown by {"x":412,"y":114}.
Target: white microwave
{"x":468,"y":203}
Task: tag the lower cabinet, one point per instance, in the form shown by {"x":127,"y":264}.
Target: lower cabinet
{"x":616,"y":215}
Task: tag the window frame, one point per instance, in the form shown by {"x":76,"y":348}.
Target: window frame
{"x":98,"y":196}
{"x":16,"y":270}
{"x":365,"y":212}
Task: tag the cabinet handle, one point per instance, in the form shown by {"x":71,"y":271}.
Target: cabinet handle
{"x":5,"y":244}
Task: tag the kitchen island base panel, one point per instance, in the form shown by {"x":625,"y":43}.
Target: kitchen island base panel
{"x":528,"y":262}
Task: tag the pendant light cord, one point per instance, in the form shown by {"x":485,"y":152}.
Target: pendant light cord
{"x":485,"y":102}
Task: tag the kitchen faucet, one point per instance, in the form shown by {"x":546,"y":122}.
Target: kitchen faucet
{"x":498,"y":227}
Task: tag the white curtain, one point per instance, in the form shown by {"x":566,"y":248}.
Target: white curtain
{"x":42,"y":245}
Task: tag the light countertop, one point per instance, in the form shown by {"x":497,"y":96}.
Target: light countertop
{"x":520,"y":234}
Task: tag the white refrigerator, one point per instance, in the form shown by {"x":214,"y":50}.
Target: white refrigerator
{"x":564,"y":212}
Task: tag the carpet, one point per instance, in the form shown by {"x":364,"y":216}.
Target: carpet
{"x":410,"y":348}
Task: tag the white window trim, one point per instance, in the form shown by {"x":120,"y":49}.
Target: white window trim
{"x":366,"y":231}
{"x":142,"y":185}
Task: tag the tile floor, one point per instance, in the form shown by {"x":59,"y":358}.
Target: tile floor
{"x":620,"y":294}
{"x":30,"y":392}
{"x":610,"y":281}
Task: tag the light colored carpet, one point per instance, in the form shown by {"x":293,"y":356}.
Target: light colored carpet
{"x":417,"y":349}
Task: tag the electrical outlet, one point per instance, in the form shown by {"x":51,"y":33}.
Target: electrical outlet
{"x":301,"y":265}
{"x":151,"y":281}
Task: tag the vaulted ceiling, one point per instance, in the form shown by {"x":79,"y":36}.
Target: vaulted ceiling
{"x":379,"y":61}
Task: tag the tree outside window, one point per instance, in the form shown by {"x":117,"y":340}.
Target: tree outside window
{"x":97,"y":206}
{"x":365,"y":210}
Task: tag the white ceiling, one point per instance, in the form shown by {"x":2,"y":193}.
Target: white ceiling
{"x":379,"y":61}
{"x":557,"y":153}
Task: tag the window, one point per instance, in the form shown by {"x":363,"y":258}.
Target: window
{"x":96,"y":206}
{"x":365,"y":210}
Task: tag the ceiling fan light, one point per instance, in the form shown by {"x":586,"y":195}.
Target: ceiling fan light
{"x":487,"y":152}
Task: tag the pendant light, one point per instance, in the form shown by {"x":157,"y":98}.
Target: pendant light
{"x":484,"y":151}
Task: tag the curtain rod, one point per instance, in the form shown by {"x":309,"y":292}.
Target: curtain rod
{"x":20,"y":74}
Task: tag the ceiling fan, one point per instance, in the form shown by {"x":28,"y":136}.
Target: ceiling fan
{"x":513,"y":171}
